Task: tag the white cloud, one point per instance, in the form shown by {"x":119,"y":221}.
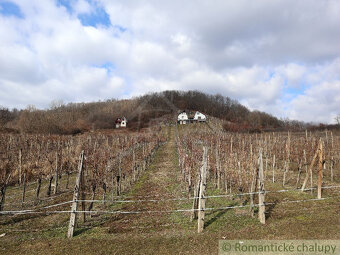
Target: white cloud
{"x":293,"y":74}
{"x":182,"y":42}
{"x":319,"y":103}
{"x":82,"y":6}
{"x":269,"y":55}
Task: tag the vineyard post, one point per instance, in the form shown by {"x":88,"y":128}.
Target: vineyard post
{"x":20,"y":165}
{"x":203,"y":186}
{"x":49,"y":185}
{"x":24,"y":189}
{"x":218,"y":167}
{"x":262,"y":207}
{"x":310,"y":170}
{"x":38,"y":188}
{"x":195,"y":201}
{"x":265,"y":172}
{"x":133,"y":165}
{"x":119,"y":176}
{"x":274,"y":168}
{"x":82,"y":193}
{"x":332,"y":157}
{"x":93,"y":188}
{"x":332,"y":172}
{"x":112,"y":184}
{"x":56,"y":173}
{"x":239,"y":173}
{"x":320,"y":169}
{"x":253,"y":189}
{"x":305,"y":160}
{"x":73,"y":217}
{"x":286,"y":169}
{"x":189,"y":181}
{"x":104,"y":193}
{"x":3,"y":192}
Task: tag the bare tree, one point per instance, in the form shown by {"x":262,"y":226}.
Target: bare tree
{"x":337,"y":119}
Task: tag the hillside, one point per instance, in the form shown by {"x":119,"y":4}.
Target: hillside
{"x":79,"y":117}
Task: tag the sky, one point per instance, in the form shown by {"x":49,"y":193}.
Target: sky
{"x":277,"y":56}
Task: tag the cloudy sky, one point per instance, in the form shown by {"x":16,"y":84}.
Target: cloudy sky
{"x":278,"y":56}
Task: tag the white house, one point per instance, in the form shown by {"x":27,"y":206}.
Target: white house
{"x":183,"y":118}
{"x":121,"y":122}
{"x":200,"y":117}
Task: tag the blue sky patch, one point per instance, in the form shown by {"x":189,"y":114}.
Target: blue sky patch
{"x":295,"y":91}
{"x":108,"y":66}
{"x":98,"y":17}
{"x":66,"y":4}
{"x":10,"y":9}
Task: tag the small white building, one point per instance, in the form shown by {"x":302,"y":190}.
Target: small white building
{"x":121,"y":122}
{"x":182,"y":118}
{"x":185,"y":118}
{"x":200,"y":117}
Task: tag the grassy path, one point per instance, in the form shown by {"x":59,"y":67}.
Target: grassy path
{"x":162,"y":181}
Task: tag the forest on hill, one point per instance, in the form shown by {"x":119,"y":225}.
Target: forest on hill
{"x":74,"y":118}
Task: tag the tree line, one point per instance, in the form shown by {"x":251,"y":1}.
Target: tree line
{"x":73,"y":118}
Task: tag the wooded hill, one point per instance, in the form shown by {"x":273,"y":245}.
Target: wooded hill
{"x":74,"y":118}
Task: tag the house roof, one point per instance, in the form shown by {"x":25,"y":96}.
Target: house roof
{"x":119,"y":120}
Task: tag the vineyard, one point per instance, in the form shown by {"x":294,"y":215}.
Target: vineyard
{"x":233,"y":158}
{"x":111,"y":163}
{"x":168,"y":180}
{"x":241,"y":164}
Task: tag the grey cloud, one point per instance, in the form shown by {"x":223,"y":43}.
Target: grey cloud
{"x":253,"y":51}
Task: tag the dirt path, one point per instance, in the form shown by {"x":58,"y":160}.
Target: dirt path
{"x":160,"y":182}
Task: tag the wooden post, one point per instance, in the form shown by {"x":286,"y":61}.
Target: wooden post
{"x":332,"y":172}
{"x":24,"y":189}
{"x":20,"y":165}
{"x":56,"y":174}
{"x":203,"y":186}
{"x":3,"y":192}
{"x":119,"y":176}
{"x":284,"y":174}
{"x":252,"y":190}
{"x":38,"y":188}
{"x":218,"y":164}
{"x":310,"y":169}
{"x":320,"y":169}
{"x":82,"y":194}
{"x":104,"y":193}
{"x":274,"y":168}
{"x":112,"y":184}
{"x":94,"y":186}
{"x":332,"y":158}
{"x":195,"y":201}
{"x":133,"y":165}
{"x":73,"y":217}
{"x":49,"y":185}
{"x":262,"y":207}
